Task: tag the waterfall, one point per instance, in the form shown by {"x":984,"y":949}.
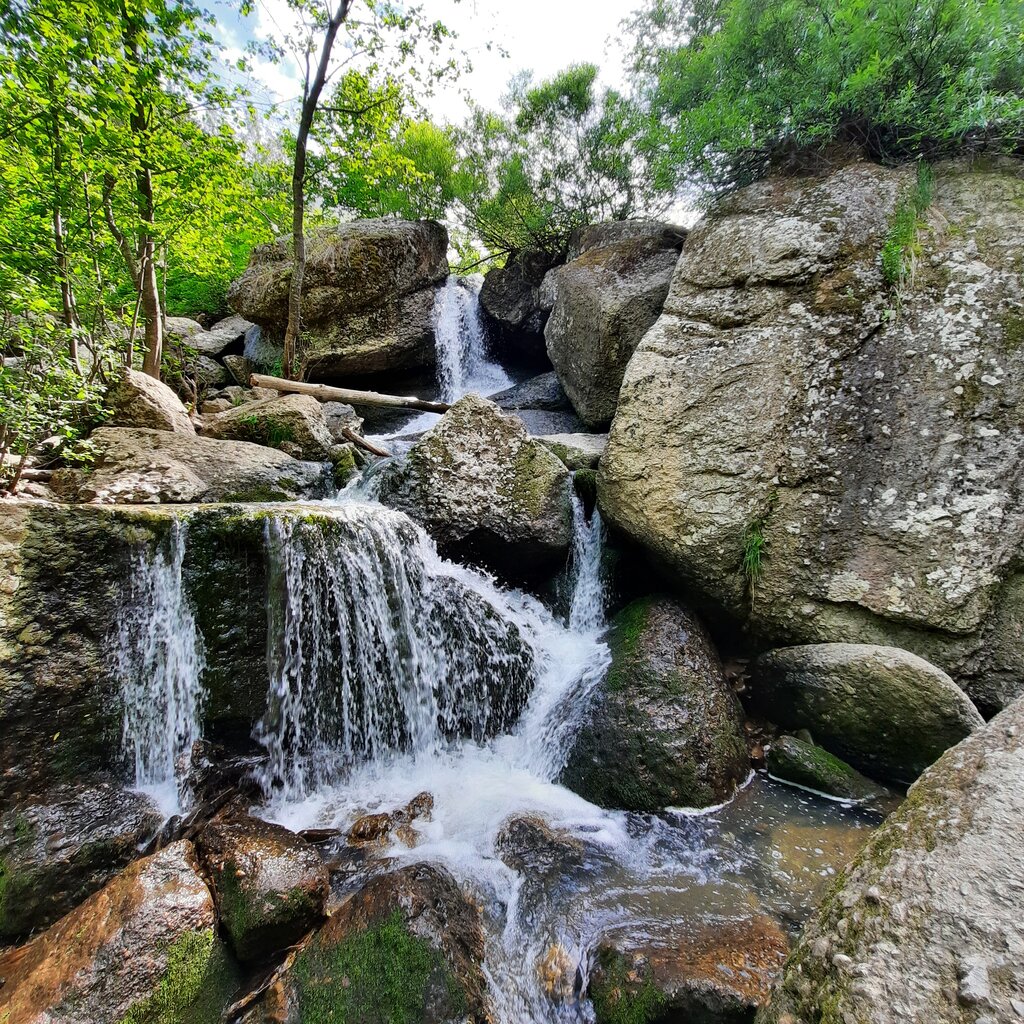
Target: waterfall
{"x":586,"y":605}
{"x":461,"y":341}
{"x":377,"y":645}
{"x":159,"y":665}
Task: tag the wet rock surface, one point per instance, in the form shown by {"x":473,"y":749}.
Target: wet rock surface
{"x":271,"y":886}
{"x":63,"y":846}
{"x":924,"y":925}
{"x":886,"y":711}
{"x":665,"y":729}
{"x":485,"y":491}
{"x":813,"y":767}
{"x":136,"y":466}
{"x":144,"y":948}
{"x":786,"y":392}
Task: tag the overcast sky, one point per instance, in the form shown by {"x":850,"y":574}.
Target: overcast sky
{"x":540,"y":35}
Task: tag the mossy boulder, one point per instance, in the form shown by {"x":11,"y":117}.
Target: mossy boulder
{"x":134,"y":399}
{"x":142,"y":950}
{"x":924,"y":924}
{"x":271,"y":886}
{"x":886,"y":711}
{"x":665,"y":729}
{"x":404,"y":949}
{"x":295,"y":424}
{"x":486,"y":491}
{"x":805,"y":764}
{"x":60,"y":848}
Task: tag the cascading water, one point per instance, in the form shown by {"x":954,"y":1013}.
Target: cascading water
{"x":159,"y":665}
{"x":586,"y":604}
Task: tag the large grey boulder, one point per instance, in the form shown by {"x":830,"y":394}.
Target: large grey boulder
{"x":368,"y":295}
{"x":868,"y":446}
{"x":886,"y":711}
{"x":137,"y":400}
{"x":511,"y":301}
{"x":604,"y":302}
{"x":293,"y":423}
{"x":612,"y":232}
{"x":485,"y":490}
{"x":666,"y":730}
{"x":227,"y":333}
{"x":153,"y":466}
{"x":925,"y":925}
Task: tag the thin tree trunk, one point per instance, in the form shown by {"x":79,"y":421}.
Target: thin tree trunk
{"x":67,"y":296}
{"x":149,"y":287}
{"x":310,"y":99}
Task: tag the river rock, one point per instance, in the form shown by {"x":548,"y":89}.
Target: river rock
{"x":137,"y":400}
{"x":604,"y":302}
{"x":485,"y":490}
{"x":144,"y":948}
{"x":228,"y":333}
{"x":60,"y":848}
{"x":528,"y":844}
{"x":294,"y":423}
{"x":805,"y":764}
{"x":368,"y":295}
{"x":576,"y":451}
{"x":178,"y":328}
{"x":511,"y":302}
{"x":271,"y":885}
{"x":666,"y":729}
{"x":718,"y":974}
{"x":136,"y":466}
{"x":240,"y":369}
{"x":541,"y":393}
{"x":886,"y":711}
{"x":406,"y":946}
{"x":788,"y":395}
{"x":925,"y":925}
{"x":339,"y":417}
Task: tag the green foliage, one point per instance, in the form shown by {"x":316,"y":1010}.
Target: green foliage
{"x":561,"y":154}
{"x":378,"y":976}
{"x":733,"y":86}
{"x":901,"y":246}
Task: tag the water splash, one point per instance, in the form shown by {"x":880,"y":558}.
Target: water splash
{"x":159,"y":666}
{"x":586,"y":605}
{"x":463,"y":364}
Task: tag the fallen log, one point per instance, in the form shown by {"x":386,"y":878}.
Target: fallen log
{"x":326,"y":393}
{"x":360,"y":442}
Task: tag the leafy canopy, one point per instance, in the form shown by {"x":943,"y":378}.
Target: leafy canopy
{"x":732,"y":85}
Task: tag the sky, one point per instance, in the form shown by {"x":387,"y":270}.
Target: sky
{"x":540,"y":35}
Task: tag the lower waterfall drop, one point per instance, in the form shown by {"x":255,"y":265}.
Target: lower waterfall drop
{"x":159,"y":665}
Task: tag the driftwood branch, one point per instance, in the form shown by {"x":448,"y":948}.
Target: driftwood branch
{"x":360,"y":442}
{"x":326,"y":393}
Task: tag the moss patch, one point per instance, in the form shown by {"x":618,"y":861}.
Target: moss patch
{"x":620,"y":996}
{"x":383,"y":975}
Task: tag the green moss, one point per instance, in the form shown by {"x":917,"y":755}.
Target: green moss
{"x":343,"y":459}
{"x":1013,"y":330}
{"x":627,"y":630}
{"x":619,"y":998}
{"x":901,"y":243}
{"x":265,"y":430}
{"x":382,"y":975}
{"x":196,"y":987}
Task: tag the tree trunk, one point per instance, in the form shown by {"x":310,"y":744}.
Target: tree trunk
{"x":310,"y":99}
{"x":67,"y":296}
{"x":149,"y":287}
{"x":328,"y":393}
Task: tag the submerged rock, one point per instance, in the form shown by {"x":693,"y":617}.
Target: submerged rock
{"x":666,"y":729}
{"x":61,"y":847}
{"x":154,"y":466}
{"x":485,"y":490}
{"x":368,"y":295}
{"x":925,"y":925}
{"x":789,"y":405}
{"x":137,"y":400}
{"x":605,"y":300}
{"x":293,"y":423}
{"x":886,"y":711}
{"x":271,"y":885}
{"x":805,"y":764}
{"x":406,"y":946}
{"x":719,"y":974}
{"x":143,"y":949}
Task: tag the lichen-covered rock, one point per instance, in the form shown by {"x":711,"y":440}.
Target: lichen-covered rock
{"x":137,"y":400}
{"x":666,"y":729}
{"x":405,"y":947}
{"x":60,"y":848}
{"x":368,"y":293}
{"x":510,"y":300}
{"x":136,"y":466}
{"x":604,"y":302}
{"x":886,"y":711}
{"x":271,"y":886}
{"x":719,"y":974}
{"x":485,"y":490}
{"x":143,"y":950}
{"x":294,"y":423}
{"x":787,"y":396}
{"x":239,"y":368}
{"x":793,"y":760}
{"x":612,"y":232}
{"x":925,"y":925}
{"x":576,"y":451}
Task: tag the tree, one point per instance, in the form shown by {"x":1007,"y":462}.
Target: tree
{"x":560,"y":155}
{"x":734,"y":86}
